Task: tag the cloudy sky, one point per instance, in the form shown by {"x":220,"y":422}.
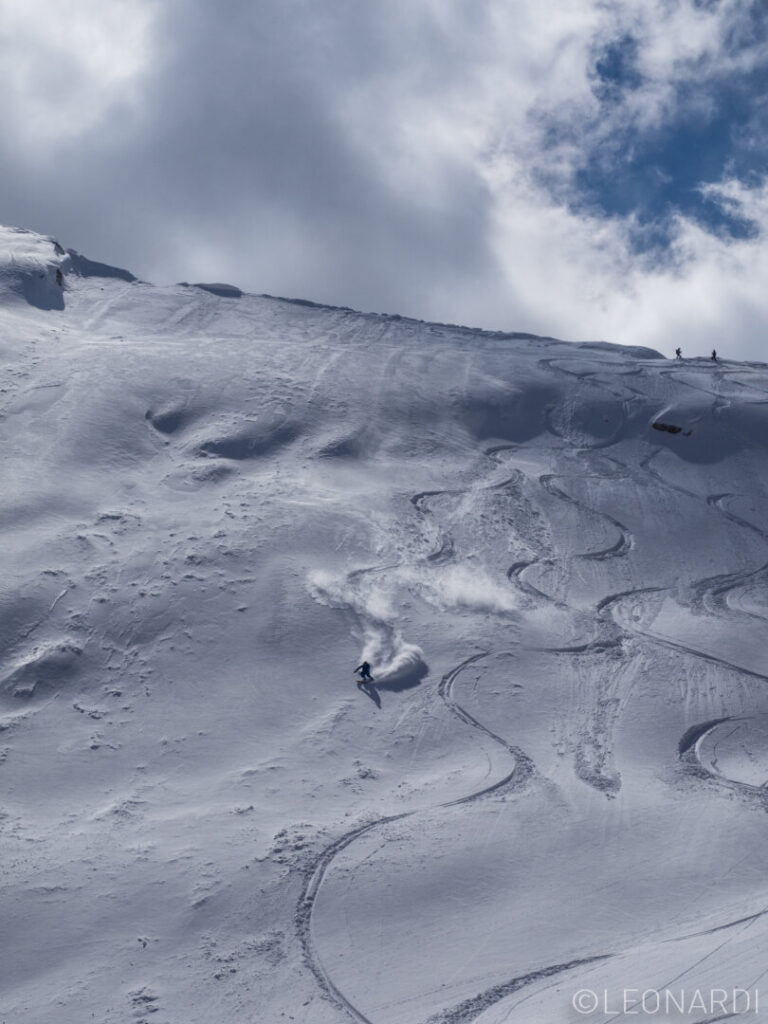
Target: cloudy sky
{"x":580,"y":168}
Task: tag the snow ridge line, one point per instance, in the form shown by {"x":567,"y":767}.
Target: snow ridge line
{"x":524,"y":769}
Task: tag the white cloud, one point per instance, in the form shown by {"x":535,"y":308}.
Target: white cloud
{"x":414,"y":156}
{"x":574,"y":273}
{"x":65,"y":65}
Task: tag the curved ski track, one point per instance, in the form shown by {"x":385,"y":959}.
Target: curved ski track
{"x":522,"y":771}
{"x":690,"y":757}
{"x":620,"y":547}
{"x":524,"y":768}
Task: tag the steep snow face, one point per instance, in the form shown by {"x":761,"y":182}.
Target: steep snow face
{"x":28,"y":265}
{"x":32,"y":269}
{"x":553,"y":555}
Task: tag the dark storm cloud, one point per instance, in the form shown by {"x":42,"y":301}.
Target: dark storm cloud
{"x":257,"y":154}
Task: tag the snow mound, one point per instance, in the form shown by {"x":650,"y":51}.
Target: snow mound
{"x":224,"y":291}
{"x":34,"y":267}
{"x":29,"y":267}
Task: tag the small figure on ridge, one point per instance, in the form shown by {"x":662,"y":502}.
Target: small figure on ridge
{"x":678,"y":353}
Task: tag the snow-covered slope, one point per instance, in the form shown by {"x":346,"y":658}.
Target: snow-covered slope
{"x":554,"y":555}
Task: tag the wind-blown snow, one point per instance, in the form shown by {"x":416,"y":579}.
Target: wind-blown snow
{"x":214,"y":506}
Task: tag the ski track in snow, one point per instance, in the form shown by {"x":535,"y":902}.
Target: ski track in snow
{"x":710,"y":593}
{"x":306,"y":906}
{"x":714,"y":588}
{"x":690,"y":757}
{"x":524,"y":769}
{"x":611,"y":628}
{"x":622,"y":544}
{"x":516,"y":570}
{"x":522,"y":772}
{"x":469,"y":1009}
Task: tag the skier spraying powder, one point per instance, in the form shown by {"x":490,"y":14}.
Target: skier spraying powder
{"x":365,"y":673}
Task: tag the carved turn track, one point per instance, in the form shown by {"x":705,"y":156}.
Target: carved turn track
{"x":522,"y":771}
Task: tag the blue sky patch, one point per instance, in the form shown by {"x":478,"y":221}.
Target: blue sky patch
{"x":616,"y":71}
{"x":717,"y":129}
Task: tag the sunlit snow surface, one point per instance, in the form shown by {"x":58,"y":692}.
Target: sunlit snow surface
{"x":214,"y":507}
